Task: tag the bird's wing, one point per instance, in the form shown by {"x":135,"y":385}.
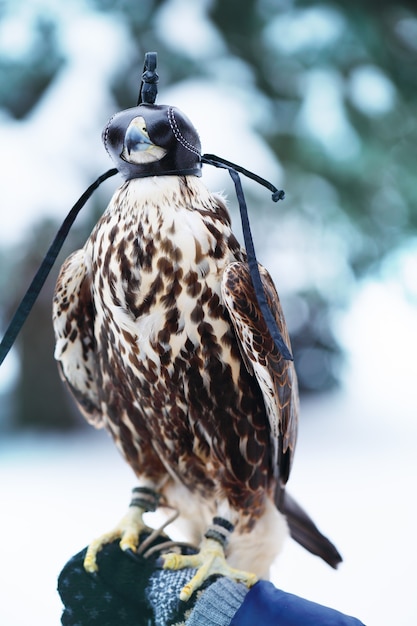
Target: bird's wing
{"x":73,"y":319}
{"x":275,"y":375}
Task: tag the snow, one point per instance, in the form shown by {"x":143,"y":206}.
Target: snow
{"x":49,"y":158}
{"x":311,"y":28}
{"x":193,"y":34}
{"x":323,"y":117}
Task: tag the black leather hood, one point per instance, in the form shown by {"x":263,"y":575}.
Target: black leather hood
{"x":167,"y":128}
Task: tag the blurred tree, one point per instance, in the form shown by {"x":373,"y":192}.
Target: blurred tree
{"x":24,"y":78}
{"x":40,"y":399}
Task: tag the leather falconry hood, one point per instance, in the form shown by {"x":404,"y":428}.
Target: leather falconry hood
{"x":168,"y":128}
{"x":164,"y":126}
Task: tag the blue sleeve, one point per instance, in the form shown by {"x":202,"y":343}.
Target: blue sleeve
{"x":265,"y":605}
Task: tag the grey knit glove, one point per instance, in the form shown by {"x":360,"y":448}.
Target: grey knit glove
{"x":213,"y":605}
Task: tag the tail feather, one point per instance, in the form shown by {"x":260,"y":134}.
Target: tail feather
{"x":305,"y":532}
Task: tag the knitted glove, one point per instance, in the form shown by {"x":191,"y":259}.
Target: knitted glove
{"x":128,"y":590}
{"x":115,"y":596}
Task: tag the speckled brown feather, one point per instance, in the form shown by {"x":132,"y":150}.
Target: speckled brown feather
{"x":168,"y":375}
{"x":74,"y":335}
{"x":275,"y":375}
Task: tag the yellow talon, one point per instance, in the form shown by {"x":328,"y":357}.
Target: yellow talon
{"x":127,"y":530}
{"x":209,"y":561}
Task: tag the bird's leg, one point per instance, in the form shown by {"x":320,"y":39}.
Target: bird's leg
{"x":210,"y":560}
{"x":128,"y":529}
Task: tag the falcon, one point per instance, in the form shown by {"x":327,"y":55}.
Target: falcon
{"x":161,"y":340}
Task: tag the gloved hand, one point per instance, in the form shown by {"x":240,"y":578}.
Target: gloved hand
{"x":130,"y":590}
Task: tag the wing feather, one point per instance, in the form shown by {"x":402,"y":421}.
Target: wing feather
{"x":73,"y":319}
{"x":275,"y":375}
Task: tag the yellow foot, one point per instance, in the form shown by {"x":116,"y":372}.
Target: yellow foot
{"x":127,"y":530}
{"x":210,"y":560}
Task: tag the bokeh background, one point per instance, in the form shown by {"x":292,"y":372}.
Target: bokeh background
{"x":318,"y":97}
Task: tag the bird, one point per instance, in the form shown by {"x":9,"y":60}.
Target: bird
{"x":161,"y":341}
